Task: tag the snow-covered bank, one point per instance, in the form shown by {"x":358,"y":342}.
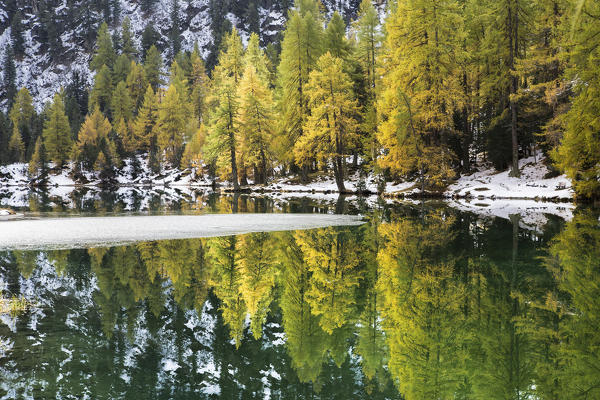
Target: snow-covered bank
{"x":532,"y":184}
{"x":485,"y":183}
{"x":67,"y":233}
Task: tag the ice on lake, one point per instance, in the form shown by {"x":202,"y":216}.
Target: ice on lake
{"x":70,"y":233}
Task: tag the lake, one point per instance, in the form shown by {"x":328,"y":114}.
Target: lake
{"x":421,"y":301}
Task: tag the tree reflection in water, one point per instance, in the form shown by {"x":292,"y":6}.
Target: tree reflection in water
{"x":418,"y":303}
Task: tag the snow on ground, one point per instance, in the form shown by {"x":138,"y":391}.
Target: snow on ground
{"x":486,"y":183}
{"x":326,"y":184}
{"x":68,"y":233}
{"x":489,"y":184}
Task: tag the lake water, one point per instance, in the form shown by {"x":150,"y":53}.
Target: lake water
{"x":422,"y":301}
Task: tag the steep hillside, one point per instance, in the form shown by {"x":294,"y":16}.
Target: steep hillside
{"x":54,"y":38}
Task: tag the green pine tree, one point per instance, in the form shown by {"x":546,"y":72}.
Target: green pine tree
{"x":105,"y":53}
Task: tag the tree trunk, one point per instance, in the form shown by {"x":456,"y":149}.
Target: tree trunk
{"x":263,"y":167}
{"x":234,"y":171}
{"x":513,"y":40}
{"x":338,"y":170}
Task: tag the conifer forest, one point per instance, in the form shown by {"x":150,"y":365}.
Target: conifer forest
{"x":401,"y":91}
{"x":300,"y":199}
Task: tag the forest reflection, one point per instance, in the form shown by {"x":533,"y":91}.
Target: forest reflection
{"x":416,"y":304}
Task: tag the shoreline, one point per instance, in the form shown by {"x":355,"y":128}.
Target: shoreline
{"x":252,"y":189}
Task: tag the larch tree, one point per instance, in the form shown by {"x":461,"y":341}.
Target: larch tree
{"x":368,"y":43}
{"x":331,"y":127}
{"x":16,"y":149}
{"x":121,"y":105}
{"x":37,"y":164}
{"x":121,"y":69}
{"x":136,"y":84}
{"x":505,"y":40}
{"x":193,"y":155}
{"x":222,"y":140}
{"x":200,"y":84}
{"x":57,"y":133}
{"x":101,"y":92}
{"x":305,"y":338}
{"x":421,"y":307}
{"x":143,"y":128}
{"x":171,"y":125}
{"x":256,"y":57}
{"x":301,"y":47}
{"x":335,"y":41}
{"x":579,"y":153}
{"x":93,"y":139}
{"x":420,"y":89}
{"x":22,"y":115}
{"x":255,"y":122}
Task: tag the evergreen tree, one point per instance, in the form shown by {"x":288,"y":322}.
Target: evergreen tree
{"x":153,"y":65}
{"x":5,"y":132}
{"x":149,"y":38}
{"x":252,"y":18}
{"x":175,"y":30}
{"x":147,"y":5}
{"x":76,"y":101}
{"x":505,"y":40}
{"x":16,"y":34}
{"x":329,"y":130}
{"x":105,"y":53}
{"x":57,"y":133}
{"x":9,"y":78}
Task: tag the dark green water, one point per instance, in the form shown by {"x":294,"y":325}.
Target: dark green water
{"x":421,"y":302}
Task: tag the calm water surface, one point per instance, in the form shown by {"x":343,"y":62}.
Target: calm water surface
{"x":420,"y":302}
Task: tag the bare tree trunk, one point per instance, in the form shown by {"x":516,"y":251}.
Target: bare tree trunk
{"x":513,"y":40}
{"x":234,"y":171}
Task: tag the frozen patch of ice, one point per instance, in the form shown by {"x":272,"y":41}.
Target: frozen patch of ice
{"x":69,"y":233}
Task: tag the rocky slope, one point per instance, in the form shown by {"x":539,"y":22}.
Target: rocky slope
{"x":54,"y":38}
